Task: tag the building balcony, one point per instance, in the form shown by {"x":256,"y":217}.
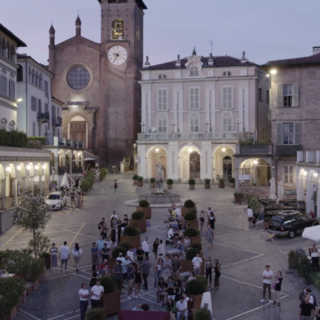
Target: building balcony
{"x":254,"y":149}
{"x":77,"y":169}
{"x":287,"y":150}
{"x":57,"y":121}
{"x":43,"y":117}
{"x":210,"y":136}
{"x":62,"y":170}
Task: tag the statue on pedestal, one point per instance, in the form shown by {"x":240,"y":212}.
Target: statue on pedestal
{"x":159,"y":178}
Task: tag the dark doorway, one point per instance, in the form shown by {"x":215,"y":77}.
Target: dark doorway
{"x":227,"y":168}
{"x":194,"y":165}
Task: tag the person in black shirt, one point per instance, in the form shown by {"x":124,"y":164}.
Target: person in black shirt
{"x":170,"y":291}
{"x":306,"y":311}
{"x":125,"y":220}
{"x":105,"y":252}
{"x":162,"y":285}
{"x":140,"y":255}
{"x":155,"y":246}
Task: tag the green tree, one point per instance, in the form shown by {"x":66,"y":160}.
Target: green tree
{"x":32,"y":215}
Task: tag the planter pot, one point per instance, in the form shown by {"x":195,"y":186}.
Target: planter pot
{"x":191,"y":186}
{"x":140,"y":224}
{"x":186,"y":210}
{"x":207,"y":186}
{"x":135,"y":241}
{"x":266,"y":225}
{"x":12,"y":314}
{"x":292,"y":263}
{"x":238,"y":200}
{"x":169,"y":186}
{"x":221,"y":185}
{"x":152,"y":185}
{"x":193,"y":223}
{"x":146,"y":211}
{"x":231,"y":184}
{"x":197,"y":300}
{"x":111,"y":303}
{"x":135,"y":181}
{"x":111,"y":263}
{"x":187,"y":266}
{"x":29,"y":288}
{"x":24,"y":296}
{"x":36,"y":284}
{"x":307,"y":281}
{"x":140,"y":183}
{"x":196,"y":239}
{"x":43,"y":276}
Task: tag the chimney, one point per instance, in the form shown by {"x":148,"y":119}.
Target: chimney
{"x":316,"y":50}
{"x":210,"y":60}
{"x":243,"y":59}
{"x":78,"y":27}
{"x":178,"y":62}
{"x":147,"y":63}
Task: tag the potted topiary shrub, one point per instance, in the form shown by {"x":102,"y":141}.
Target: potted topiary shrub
{"x":36,"y":269}
{"x":207,"y":183}
{"x":125,"y":245}
{"x":132,"y":236}
{"x":238,"y":196}
{"x":46,"y":257}
{"x":189,"y":206}
{"x":221,"y":183}
{"x":186,"y":264}
{"x":292,"y":259}
{"x":193,"y":234}
{"x":266,"y":222}
{"x":202,"y":314}
{"x":152,"y":182}
{"x":304,"y":268}
{"x":140,"y":181}
{"x":144,"y":206}
{"x":135,"y":179}
{"x":191,"y":183}
{"x":138,"y":221}
{"x":195,"y":289}
{"x":95,"y":314}
{"x":169,"y":183}
{"x":191,"y":219}
{"x":232,"y":182}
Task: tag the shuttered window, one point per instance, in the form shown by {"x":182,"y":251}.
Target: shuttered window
{"x":46,"y":88}
{"x":288,"y":133}
{"x":162,"y":126}
{"x":3,"y":85}
{"x":194,"y":125}
{"x":288,"y":95}
{"x":33,"y":104}
{"x":194,"y":98}
{"x":162,"y":99}
{"x":227,"y":98}
{"x":227,"y":125}
{"x":287,"y":173}
{"x":11,"y":89}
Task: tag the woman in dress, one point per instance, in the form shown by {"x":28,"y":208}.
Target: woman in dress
{"x":190,"y":307}
{"x":155,"y":246}
{"x":212,"y":220}
{"x":201,"y":220}
{"x":138,"y":280}
{"x":217,"y":271}
{"x":209,"y":267}
{"x":157,"y":271}
{"x":277,"y":288}
{"x":76,"y":252}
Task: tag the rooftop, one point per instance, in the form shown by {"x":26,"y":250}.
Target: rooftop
{"x":140,"y":3}
{"x":19,"y":42}
{"x":314,"y":59}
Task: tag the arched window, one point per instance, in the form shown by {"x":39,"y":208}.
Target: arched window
{"x":194,"y":71}
{"x":3,"y":123}
{"x":40,"y":80}
{"x":20,"y":73}
{"x":11,"y":125}
{"x":33,"y":77}
{"x":11,"y":89}
{"x":118,"y":29}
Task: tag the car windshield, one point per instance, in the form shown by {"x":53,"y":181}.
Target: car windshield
{"x":275,"y":223}
{"x":54,"y":197}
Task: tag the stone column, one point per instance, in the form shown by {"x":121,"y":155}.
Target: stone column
{"x":40,"y":183}
{"x":70,"y":163}
{"x":90,"y":138}
{"x":173,"y":161}
{"x":23,"y":186}
{"x":236,"y":176}
{"x":3,"y":194}
{"x":14,"y":191}
{"x":32,"y":185}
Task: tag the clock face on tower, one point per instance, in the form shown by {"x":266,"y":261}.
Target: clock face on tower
{"x":117,"y":55}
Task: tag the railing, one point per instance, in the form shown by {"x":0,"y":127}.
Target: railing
{"x":69,"y":143}
{"x":43,"y":117}
{"x":62,"y":142}
{"x":230,"y":136}
{"x":62,"y":170}
{"x":256,"y":149}
{"x":57,"y":121}
{"x":287,"y":150}
{"x":77,"y":169}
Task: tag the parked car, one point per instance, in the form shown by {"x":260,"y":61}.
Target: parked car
{"x":56,"y":200}
{"x":289,"y":223}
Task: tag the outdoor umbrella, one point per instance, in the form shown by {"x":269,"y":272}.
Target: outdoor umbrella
{"x":312,"y":233}
{"x":65,"y":181}
{"x":272,"y":195}
{"x":280,"y":191}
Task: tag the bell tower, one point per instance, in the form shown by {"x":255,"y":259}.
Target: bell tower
{"x":120,"y":94}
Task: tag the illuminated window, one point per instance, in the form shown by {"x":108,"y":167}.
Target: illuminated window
{"x":118,"y":29}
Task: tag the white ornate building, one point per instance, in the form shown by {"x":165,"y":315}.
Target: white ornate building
{"x":195,"y":110}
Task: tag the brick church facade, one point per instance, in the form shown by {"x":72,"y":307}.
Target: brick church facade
{"x":98,"y":82}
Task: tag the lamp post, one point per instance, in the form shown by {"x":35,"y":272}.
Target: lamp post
{"x":143,"y":126}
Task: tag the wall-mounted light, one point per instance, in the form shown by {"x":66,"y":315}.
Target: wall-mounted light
{"x":255,"y":161}
{"x":28,"y":167}
{"x":273,"y":71}
{"x":190,"y":149}
{"x":36,"y":167}
{"x":8,"y":169}
{"x":19,"y":167}
{"x":43,"y":167}
{"x":224,"y":149}
{"x":268,"y":75}
{"x":315,"y":174}
{"x":79,"y":153}
{"x":157,"y":149}
{"x":305,"y":173}
{"x":19,"y":99}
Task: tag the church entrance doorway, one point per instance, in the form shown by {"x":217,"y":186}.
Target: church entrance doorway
{"x":78,"y":130}
{"x":194,"y":165}
{"x":227,"y":168}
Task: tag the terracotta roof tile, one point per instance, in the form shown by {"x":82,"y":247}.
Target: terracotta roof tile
{"x":314,"y":59}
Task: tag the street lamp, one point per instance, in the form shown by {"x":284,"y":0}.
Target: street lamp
{"x":157,"y":149}
{"x":143,"y":126}
{"x":8,"y":169}
{"x":190,"y":149}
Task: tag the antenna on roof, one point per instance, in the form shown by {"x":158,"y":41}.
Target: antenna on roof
{"x":211,"y":43}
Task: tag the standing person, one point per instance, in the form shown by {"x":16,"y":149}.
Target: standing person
{"x":161,"y":249}
{"x":96,"y":294}
{"x":212,"y":220}
{"x":176,"y":267}
{"x":267,"y":276}
{"x":118,"y":274}
{"x":54,"y":256}
{"x":94,"y":274}
{"x":103,"y":230}
{"x":131,"y":272}
{"x":277,"y":288}
{"x":182,"y":309}
{"x":201,"y":220}
{"x":209,"y":236}
{"x":138,"y":280}
{"x":101,"y":223}
{"x":78,"y":199}
{"x":76,"y":252}
{"x":262,"y":212}
{"x":155,"y":246}
{"x":83,"y":295}
{"x":100,"y":244}
{"x":95,"y":255}
{"x":209,"y":267}
{"x":113,"y":235}
{"x":64,"y":255}
{"x":140,"y":254}
{"x":145,"y":247}
{"x":197,"y":263}
{"x":167,"y":267}
{"x":125,"y":220}
{"x":105,"y":252}
{"x":115,"y":186}
{"x":250,"y":216}
{"x":209,"y":214}
{"x":157,"y":271}
{"x":130,"y":254}
{"x":114,"y":215}
{"x":217,"y":272}
{"x":72,"y":196}
{"x":119,"y":227}
{"x":306,"y":311}
{"x":145,"y":272}
{"x":125,"y":264}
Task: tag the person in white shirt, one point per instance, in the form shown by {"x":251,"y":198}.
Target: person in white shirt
{"x":84,"y":295}
{"x":96,"y":294}
{"x":250,"y":216}
{"x":130,"y":254}
{"x":160,"y":249}
{"x":267,"y":276}
{"x":64,"y":255}
{"x":145,"y":247}
{"x":197,"y":263}
{"x":181,"y":308}
{"x":77,"y":252}
{"x":170,"y":234}
{"x":178,"y":213}
{"x":113,"y":216}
